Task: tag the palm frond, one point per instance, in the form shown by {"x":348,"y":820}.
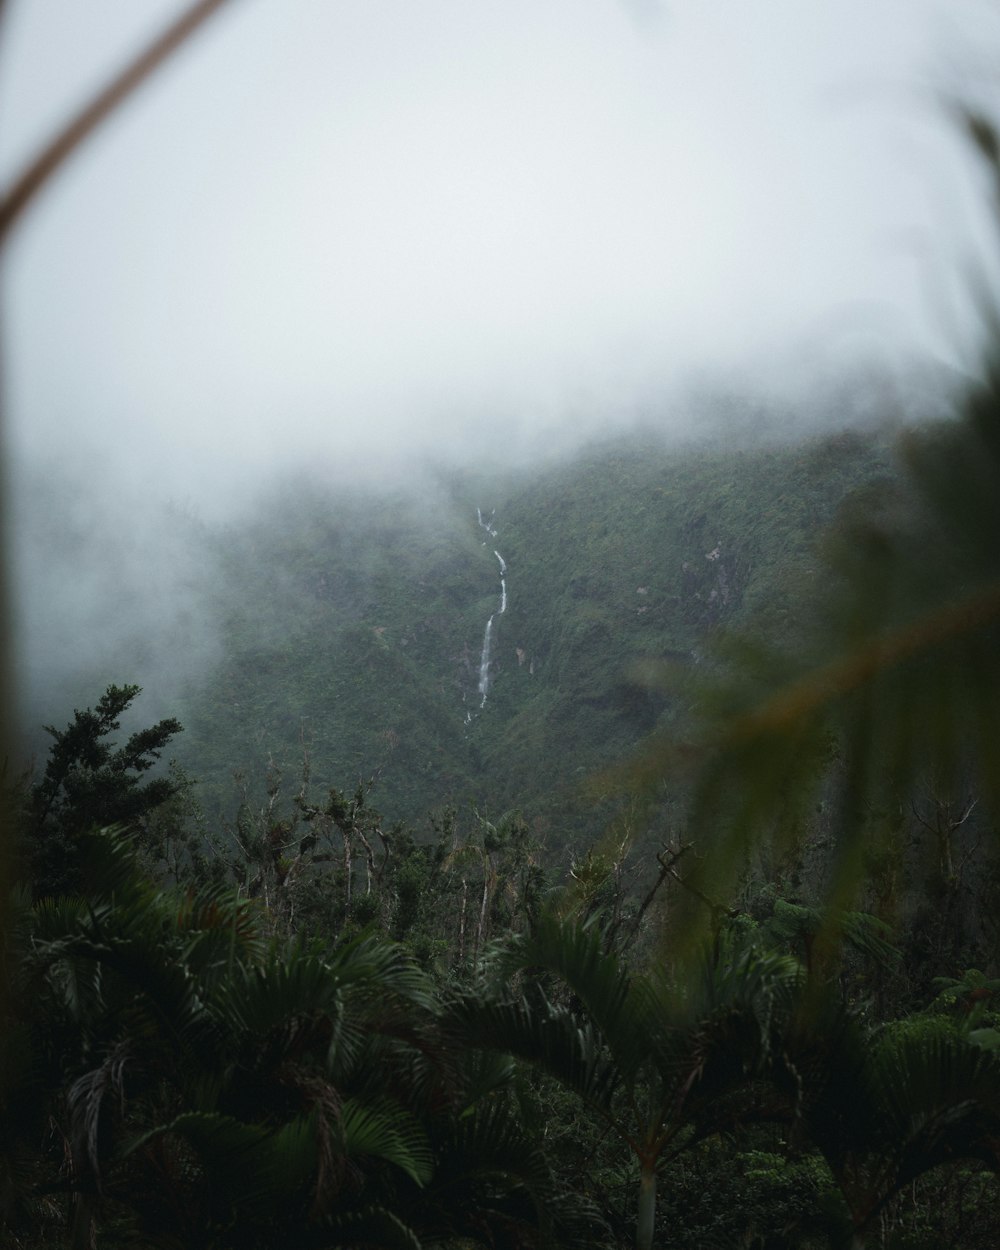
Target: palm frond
{"x":483,"y":1073}
{"x":250,"y":1165}
{"x":884,"y":1111}
{"x":795,"y":923}
{"x":574,"y":953}
{"x":258,"y":998}
{"x":383,"y":968}
{"x":371,"y":1228}
{"x":720,"y":1028}
{"x":894,"y":674}
{"x":566,"y":1048}
{"x":493,"y":1142}
{"x":386,"y":1132}
{"x":492,"y":1170}
{"x":87,"y":1101}
{"x":938,"y":1099}
{"x":217,"y":930}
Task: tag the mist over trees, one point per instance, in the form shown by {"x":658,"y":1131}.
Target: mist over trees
{"x":661,"y":912}
{"x":304,"y":1015}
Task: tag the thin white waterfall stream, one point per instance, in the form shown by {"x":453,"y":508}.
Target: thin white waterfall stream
{"x":484,"y":662}
{"x":484,"y":659}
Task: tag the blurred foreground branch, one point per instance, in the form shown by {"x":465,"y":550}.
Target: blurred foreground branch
{"x":39,"y":170}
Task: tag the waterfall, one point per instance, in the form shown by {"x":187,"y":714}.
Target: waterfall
{"x":487,"y":525}
{"x":484,"y":659}
{"x":484,"y":662}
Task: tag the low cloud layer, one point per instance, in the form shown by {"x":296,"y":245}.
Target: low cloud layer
{"x":366,"y":225}
{"x":364,"y":235}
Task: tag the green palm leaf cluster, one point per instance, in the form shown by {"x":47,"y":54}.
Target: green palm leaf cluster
{"x":175,"y":1074}
{"x":745,"y":1037}
{"x":884,"y":1110}
{"x":663,"y":1064}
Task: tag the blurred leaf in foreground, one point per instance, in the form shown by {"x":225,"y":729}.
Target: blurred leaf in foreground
{"x":895,"y":673}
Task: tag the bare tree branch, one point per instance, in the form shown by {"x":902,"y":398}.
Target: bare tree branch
{"x":27,"y":185}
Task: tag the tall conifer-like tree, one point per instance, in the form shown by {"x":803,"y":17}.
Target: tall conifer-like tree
{"x":89,"y":783}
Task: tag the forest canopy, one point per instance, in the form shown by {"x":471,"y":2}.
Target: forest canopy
{"x":761,"y":1009}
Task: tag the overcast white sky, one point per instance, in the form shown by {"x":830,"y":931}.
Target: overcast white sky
{"x":341,"y":227}
{"x":344,"y":231}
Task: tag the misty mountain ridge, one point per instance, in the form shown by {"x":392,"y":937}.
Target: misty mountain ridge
{"x":360,"y":629}
{"x":346,"y":623}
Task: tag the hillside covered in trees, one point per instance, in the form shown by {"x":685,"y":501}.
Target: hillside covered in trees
{"x":347,"y":624}
{"x":536,"y":1019}
{"x":593,"y":855}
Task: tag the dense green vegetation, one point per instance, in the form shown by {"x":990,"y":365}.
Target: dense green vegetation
{"x":303,"y":1026}
{"x":186,"y":1064}
{"x":300,"y":1021}
{"x":352,"y":622}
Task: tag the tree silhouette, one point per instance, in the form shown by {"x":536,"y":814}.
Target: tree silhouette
{"x":208,"y":1085}
{"x":662,"y":1063}
{"x":88,"y":783}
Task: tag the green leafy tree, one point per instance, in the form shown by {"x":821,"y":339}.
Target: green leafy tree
{"x":88,"y":783}
{"x":209,"y":1085}
{"x":885,"y":1110}
{"x":662,"y":1065}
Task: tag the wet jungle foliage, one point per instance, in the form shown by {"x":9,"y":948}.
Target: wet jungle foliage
{"x":296,"y":1017}
{"x":307,"y":1022}
{"x":296,"y":1029}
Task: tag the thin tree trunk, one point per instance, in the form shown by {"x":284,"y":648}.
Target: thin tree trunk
{"x":369,"y":860}
{"x":461,"y":920}
{"x":482,"y":919}
{"x":647,"y":1206}
{"x":31,"y":180}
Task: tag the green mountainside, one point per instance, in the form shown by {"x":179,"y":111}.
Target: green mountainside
{"x":350,"y":629}
{"x":353,"y":622}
